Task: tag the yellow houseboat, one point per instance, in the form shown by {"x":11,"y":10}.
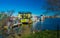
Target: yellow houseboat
{"x":25,"y":17}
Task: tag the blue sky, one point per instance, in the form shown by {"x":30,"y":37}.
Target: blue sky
{"x":33,"y":6}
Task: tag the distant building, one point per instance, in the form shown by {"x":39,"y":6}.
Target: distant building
{"x":35,"y":18}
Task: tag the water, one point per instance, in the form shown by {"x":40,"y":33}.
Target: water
{"x":1,"y":36}
{"x":49,"y":23}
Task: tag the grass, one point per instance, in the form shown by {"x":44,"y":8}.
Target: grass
{"x":43,"y":34}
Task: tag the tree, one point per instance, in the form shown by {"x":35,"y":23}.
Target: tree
{"x":53,"y":6}
{"x":6,"y":16}
{"x":10,"y":12}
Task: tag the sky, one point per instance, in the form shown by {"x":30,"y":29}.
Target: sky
{"x":33,"y":6}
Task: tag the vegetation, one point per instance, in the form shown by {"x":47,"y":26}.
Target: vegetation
{"x":43,"y":34}
{"x":52,"y":6}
